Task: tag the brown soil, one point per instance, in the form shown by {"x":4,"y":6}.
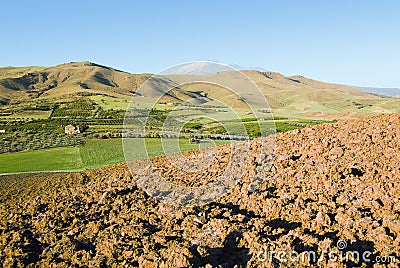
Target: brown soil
{"x":327,"y":183}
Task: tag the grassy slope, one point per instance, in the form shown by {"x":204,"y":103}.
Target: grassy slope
{"x":296,"y":96}
{"x":93,"y":154}
{"x":68,"y":79}
{"x":288,"y":96}
{"x":302,"y":97}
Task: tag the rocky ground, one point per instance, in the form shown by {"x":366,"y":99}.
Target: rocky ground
{"x":327,"y":184}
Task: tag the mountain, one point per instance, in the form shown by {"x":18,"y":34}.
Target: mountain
{"x":17,"y":83}
{"x":197,"y":68}
{"x":293,"y":96}
{"x":389,"y":92}
{"x":65,"y":78}
{"x":205,"y":68}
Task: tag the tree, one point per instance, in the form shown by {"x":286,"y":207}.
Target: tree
{"x":83,"y":127}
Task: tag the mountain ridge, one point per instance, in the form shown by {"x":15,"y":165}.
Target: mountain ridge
{"x":385,"y":91}
{"x":296,"y":96}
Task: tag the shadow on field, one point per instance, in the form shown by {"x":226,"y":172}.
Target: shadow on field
{"x":227,"y":256}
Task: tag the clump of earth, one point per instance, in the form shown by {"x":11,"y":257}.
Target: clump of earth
{"x":332,"y":187}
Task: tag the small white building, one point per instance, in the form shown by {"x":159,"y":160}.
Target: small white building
{"x":70,"y":129}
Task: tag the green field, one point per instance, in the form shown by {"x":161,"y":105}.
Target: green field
{"x":41,"y":160}
{"x":95,"y":153}
{"x":108,"y":102}
{"x":30,"y":114}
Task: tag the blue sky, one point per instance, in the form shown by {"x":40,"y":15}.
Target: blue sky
{"x":349,"y":42}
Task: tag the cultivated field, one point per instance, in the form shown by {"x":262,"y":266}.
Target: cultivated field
{"x":95,"y":153}
{"x":329,"y":187}
{"x":36,"y":103}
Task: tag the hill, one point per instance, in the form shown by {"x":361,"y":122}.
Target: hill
{"x":329,"y":185}
{"x":64,"y":79}
{"x":294,"y":96}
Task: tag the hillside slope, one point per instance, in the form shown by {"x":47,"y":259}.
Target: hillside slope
{"x":328,"y":183}
{"x":67,"y":78}
{"x":294,"y":96}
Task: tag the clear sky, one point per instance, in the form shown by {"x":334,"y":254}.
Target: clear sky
{"x":349,"y":42}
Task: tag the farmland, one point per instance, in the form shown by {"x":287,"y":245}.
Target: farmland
{"x":97,"y":120}
{"x":95,"y":153}
{"x":41,"y":160}
{"x":34,"y":138}
{"x":316,"y":169}
{"x":40,"y":144}
{"x":95,"y":99}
